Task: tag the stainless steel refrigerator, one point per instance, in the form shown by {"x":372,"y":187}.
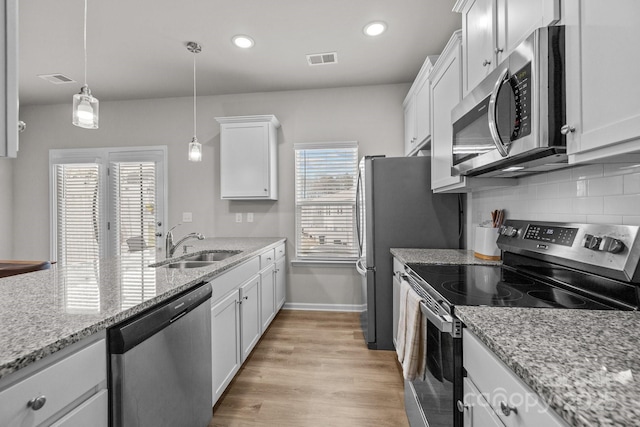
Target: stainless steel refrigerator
{"x":396,"y":208}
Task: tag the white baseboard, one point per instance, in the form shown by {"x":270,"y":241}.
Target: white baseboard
{"x":323,"y":307}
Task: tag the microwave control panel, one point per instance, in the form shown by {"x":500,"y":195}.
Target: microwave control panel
{"x":520,"y":83}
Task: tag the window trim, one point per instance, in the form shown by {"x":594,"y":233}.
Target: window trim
{"x":322,"y":260}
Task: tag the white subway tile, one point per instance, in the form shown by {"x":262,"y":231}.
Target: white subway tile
{"x":609,"y":186}
{"x":587,"y":171}
{"x":631,"y":220}
{"x":559,"y":175}
{"x":622,"y":205}
{"x":548,"y":191}
{"x":632,"y":183}
{"x":620,"y":168}
{"x":568,"y":189}
{"x":588,"y":205}
{"x":578,"y":218}
{"x":582,"y":188}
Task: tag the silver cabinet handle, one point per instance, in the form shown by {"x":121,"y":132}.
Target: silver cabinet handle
{"x":499,"y":50}
{"x":503,"y":148}
{"x":567,"y":129}
{"x":486,"y":62}
{"x":461,"y":406}
{"x":507,"y":410}
{"x":37,"y":402}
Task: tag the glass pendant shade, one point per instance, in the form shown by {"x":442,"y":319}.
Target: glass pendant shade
{"x":195,"y":150}
{"x":85,"y":109}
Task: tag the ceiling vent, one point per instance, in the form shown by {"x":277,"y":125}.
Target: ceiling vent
{"x":56,"y":79}
{"x":322,"y":58}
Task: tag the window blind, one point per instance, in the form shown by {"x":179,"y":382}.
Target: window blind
{"x":325,"y":191}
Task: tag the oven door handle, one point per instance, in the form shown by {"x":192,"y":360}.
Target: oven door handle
{"x":444,"y":323}
{"x":503,"y":147}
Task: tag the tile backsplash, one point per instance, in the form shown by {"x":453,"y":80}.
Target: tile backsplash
{"x":598,"y":193}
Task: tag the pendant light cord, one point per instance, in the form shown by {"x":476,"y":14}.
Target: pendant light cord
{"x":194,"y":94}
{"x":85,"y":42}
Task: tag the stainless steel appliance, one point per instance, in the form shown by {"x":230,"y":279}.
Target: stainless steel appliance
{"x":511,"y":124}
{"x":160,"y":365}
{"x":551,"y":265}
{"x":396,"y":208}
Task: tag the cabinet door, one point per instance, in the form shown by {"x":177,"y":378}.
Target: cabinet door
{"x":409,"y":125}
{"x":516,"y":19}
{"x":250,"y":315}
{"x":9,"y":78}
{"x":225,"y":342}
{"x":93,"y":412}
{"x":479,"y":42}
{"x":423,"y":120}
{"x":244,"y":157}
{"x":602,"y":97}
{"x":477,"y":411}
{"x":267,"y":296}
{"x":445,"y":94}
{"x":281,"y":282}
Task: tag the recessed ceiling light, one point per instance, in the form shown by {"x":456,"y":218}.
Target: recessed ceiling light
{"x":242,"y":41}
{"x":375,"y":28}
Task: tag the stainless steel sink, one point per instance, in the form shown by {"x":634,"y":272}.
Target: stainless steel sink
{"x":212,"y":256}
{"x":189,"y":264}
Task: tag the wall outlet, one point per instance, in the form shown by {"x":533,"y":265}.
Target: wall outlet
{"x":239,"y":217}
{"x":249,"y":216}
{"x":187,"y":217}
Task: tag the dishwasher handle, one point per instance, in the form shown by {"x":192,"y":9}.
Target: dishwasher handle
{"x":126,"y":335}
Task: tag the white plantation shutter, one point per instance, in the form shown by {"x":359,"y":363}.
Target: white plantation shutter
{"x":78,"y":219}
{"x":133,"y":190}
{"x":325,"y":187}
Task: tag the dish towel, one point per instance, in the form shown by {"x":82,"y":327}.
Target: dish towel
{"x":410,"y":340}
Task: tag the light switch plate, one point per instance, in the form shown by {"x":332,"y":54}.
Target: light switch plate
{"x":249,"y":216}
{"x":187,"y":217}
{"x":239,"y":217}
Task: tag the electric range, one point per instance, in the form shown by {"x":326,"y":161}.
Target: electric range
{"x":545,"y":265}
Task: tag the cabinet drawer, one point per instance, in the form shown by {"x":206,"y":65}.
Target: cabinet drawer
{"x":231,"y":279}
{"x":267,"y":258}
{"x":61,"y":384}
{"x":477,"y":411}
{"x":280,"y":251}
{"x":500,"y":386}
{"x":93,"y":412}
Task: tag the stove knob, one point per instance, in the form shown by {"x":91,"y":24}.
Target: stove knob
{"x":609,"y":244}
{"x":591,"y":242}
{"x":509,"y":231}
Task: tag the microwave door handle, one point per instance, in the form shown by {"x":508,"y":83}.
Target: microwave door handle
{"x":503,"y":148}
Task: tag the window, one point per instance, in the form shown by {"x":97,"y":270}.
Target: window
{"x":325,"y":187}
{"x":104,"y":203}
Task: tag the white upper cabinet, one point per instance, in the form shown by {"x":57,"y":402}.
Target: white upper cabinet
{"x":603,"y":107}
{"x":9,"y":78}
{"x":249,"y":157}
{"x":417,"y":104}
{"x":491,"y":29}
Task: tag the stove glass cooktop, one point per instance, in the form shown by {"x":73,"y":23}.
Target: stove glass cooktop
{"x":497,"y":286}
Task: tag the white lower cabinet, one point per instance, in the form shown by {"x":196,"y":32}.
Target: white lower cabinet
{"x":506,"y":396}
{"x":64,"y":389}
{"x":225,"y":343}
{"x":267,"y":296}
{"x":250,"y":321}
{"x":281,"y":282}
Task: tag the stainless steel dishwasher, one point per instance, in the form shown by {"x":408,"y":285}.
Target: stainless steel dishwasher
{"x":160,"y":365}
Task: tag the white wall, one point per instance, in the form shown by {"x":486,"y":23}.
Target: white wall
{"x":6,"y":208}
{"x":371,"y":115}
{"x":598,"y":193}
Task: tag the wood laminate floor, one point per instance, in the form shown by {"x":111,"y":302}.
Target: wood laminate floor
{"x":314,"y":369}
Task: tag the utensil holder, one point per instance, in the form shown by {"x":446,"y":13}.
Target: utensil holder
{"x":485,"y":246}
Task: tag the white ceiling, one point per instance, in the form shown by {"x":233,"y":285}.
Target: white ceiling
{"x":136,"y":48}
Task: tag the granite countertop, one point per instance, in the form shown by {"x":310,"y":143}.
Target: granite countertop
{"x":439,"y":256}
{"x":45,"y":311}
{"x":584,"y":364}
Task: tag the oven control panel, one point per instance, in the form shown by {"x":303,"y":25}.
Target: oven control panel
{"x":611,"y":250}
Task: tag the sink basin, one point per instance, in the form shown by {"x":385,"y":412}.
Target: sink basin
{"x":212,"y":256}
{"x":189,"y":264}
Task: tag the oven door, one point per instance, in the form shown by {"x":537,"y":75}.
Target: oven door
{"x":431,"y":400}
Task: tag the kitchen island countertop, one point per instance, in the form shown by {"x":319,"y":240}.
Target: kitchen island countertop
{"x":583,"y":363}
{"x":45,"y":311}
{"x":439,"y":256}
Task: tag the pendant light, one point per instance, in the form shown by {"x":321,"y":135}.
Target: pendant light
{"x":85,"y":106}
{"x":195,"y":148}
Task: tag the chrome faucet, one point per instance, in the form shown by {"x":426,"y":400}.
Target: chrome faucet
{"x":170,"y":247}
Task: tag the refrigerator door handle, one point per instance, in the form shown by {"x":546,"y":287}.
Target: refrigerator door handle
{"x":360,"y":267}
{"x":358,"y":219}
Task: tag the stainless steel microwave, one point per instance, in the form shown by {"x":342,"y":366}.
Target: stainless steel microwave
{"x":511,"y":124}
